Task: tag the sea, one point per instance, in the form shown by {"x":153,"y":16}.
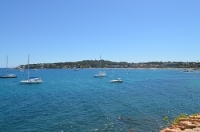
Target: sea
{"x":76,"y":101}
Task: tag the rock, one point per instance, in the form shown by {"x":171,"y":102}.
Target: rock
{"x":183,"y":119}
{"x":171,"y":130}
{"x":191,"y":124}
{"x":131,"y":131}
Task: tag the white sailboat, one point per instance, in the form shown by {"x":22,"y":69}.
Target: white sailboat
{"x":100,"y":74}
{"x":8,"y":75}
{"x":119,"y":80}
{"x":31,"y":80}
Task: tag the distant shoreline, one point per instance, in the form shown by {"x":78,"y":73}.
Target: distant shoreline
{"x":110,"y":64}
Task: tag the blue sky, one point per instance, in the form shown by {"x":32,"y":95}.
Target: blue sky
{"x":118,"y":30}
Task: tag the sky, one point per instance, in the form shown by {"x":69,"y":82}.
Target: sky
{"x":117,"y":30}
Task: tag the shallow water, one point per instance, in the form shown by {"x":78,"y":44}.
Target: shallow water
{"x":70,"y":101}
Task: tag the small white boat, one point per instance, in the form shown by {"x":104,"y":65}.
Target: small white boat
{"x":101,"y":74}
{"x":31,"y":80}
{"x":21,"y":70}
{"x":9,"y":76}
{"x":116,"y":80}
{"x":187,"y":70}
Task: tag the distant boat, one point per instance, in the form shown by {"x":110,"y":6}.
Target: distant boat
{"x":118,"y":80}
{"x":31,"y":80}
{"x":76,"y":69}
{"x":100,"y":74}
{"x":187,"y":70}
{"x":35,"y":69}
{"x":21,"y":69}
{"x":8,"y":75}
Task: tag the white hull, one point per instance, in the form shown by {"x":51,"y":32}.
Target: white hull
{"x":117,"y":81}
{"x":99,"y":75}
{"x":31,"y":81}
{"x":9,"y":76}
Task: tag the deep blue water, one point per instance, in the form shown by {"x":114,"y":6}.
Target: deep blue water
{"x":75,"y":101}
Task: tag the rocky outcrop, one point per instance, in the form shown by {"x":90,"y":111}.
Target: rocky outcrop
{"x":188,"y":124}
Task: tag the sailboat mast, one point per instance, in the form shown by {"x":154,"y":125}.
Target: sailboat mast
{"x":100,"y":61}
{"x":7,"y":63}
{"x":28,"y":66}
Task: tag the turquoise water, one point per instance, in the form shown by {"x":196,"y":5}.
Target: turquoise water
{"x":75,"y":101}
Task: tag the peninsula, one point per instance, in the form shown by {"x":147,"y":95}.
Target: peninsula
{"x":111,"y":64}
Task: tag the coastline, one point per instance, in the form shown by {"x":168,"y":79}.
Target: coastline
{"x":184,"y":124}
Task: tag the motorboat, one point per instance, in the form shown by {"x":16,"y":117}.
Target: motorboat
{"x":117,"y":80}
{"x":101,"y":74}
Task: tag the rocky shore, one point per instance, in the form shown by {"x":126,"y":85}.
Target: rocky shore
{"x":186,"y":124}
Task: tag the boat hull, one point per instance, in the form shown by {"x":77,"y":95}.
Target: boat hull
{"x":116,"y":81}
{"x":99,"y":76}
{"x":8,"y":76}
{"x":30,"y":82}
